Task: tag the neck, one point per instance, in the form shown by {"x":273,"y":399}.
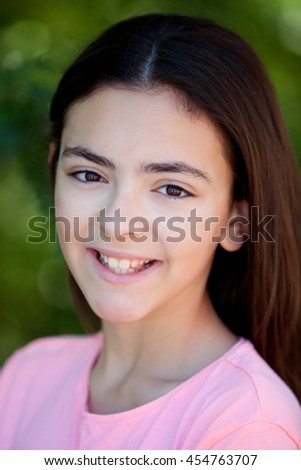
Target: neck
{"x":174,"y":342}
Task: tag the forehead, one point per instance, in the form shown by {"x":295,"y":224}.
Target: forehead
{"x":137,"y":125}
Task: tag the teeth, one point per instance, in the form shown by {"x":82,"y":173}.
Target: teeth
{"x":123,"y":266}
{"x":113,"y":263}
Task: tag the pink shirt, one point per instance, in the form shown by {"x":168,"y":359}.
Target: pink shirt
{"x":237,"y":402}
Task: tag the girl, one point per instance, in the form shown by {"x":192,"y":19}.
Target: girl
{"x":178,"y":212}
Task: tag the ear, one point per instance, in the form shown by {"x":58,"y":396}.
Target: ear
{"x":238,"y":230}
{"x":52,"y":152}
{"x":52,"y":161}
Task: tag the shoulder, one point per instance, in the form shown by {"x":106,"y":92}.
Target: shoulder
{"x":251,"y":403}
{"x":55,"y":344}
{"x":250,"y":371}
{"x":43,"y":384}
{"x":51,"y":355}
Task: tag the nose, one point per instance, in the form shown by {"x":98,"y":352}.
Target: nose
{"x":122,"y":218}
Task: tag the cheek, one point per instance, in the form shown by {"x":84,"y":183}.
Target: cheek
{"x":194,"y":242}
{"x":201,"y":224}
{"x":190,"y":246}
{"x":190,"y":264}
{"x":75,"y":219}
{"x":215,"y":215}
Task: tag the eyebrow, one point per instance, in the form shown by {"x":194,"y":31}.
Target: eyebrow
{"x":88,"y":155}
{"x":163,"y":167}
{"x":174,"y":167}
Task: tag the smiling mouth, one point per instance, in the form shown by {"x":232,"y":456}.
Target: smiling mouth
{"x":124,"y":266}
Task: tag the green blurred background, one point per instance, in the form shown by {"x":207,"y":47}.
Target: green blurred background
{"x":38,"y":41}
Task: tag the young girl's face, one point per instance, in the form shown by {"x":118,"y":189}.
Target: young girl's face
{"x":137,"y":154}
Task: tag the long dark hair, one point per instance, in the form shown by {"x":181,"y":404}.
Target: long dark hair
{"x":256,"y":290}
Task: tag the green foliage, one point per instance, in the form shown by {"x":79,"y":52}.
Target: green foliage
{"x":38,"y":40}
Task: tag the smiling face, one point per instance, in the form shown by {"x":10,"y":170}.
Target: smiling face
{"x":138,"y":154}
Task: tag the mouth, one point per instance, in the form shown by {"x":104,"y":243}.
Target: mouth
{"x":124,"y":265}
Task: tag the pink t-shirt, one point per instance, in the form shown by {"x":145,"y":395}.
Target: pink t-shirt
{"x":237,"y":402}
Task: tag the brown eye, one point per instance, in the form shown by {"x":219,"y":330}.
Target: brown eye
{"x":91,"y":176}
{"x":173,"y":191}
{"x":86,"y":176}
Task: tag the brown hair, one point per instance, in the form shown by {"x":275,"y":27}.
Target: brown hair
{"x":256,"y":290}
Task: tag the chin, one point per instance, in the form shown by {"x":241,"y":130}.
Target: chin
{"x":117,"y":313}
